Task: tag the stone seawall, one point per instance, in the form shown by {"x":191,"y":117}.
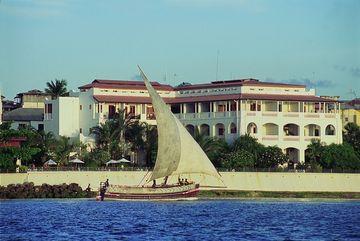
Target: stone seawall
{"x":246,"y":181}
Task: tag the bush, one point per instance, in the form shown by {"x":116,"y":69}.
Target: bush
{"x":239,"y":159}
{"x":270,"y":157}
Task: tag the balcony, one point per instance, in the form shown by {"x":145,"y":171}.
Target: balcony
{"x":205,"y":115}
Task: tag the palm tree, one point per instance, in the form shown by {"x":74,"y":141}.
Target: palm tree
{"x":47,"y":144}
{"x":103,"y":135}
{"x":150,"y":143}
{"x":63,"y":149}
{"x":57,"y":88}
{"x":121,"y":124}
{"x":213,"y":147}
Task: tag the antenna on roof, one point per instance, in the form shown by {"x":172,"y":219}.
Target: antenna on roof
{"x":353,"y":92}
{"x":217,"y":64}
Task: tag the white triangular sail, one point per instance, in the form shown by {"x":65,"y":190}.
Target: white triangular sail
{"x":178,"y":152}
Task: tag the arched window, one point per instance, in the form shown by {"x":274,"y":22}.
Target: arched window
{"x":191,"y":129}
{"x":312,"y":130}
{"x":220,"y":130}
{"x":252,"y":128}
{"x":205,"y":129}
{"x":271,"y":129}
{"x":291,"y":130}
{"x":233,"y":128}
{"x":330,"y":130}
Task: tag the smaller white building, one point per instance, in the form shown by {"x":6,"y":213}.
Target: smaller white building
{"x":22,"y":117}
{"x":62,"y":121}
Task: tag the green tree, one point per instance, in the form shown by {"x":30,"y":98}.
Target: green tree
{"x":96,"y":157}
{"x":46,"y":142}
{"x":351,"y":135}
{"x":213,"y":147}
{"x":340,"y":156}
{"x":270,"y":157}
{"x":313,"y":154}
{"x":239,"y":159}
{"x":150,"y":144}
{"x":29,"y":147}
{"x":103,"y":135}
{"x":248,"y":143}
{"x":62,"y":150}
{"x":57,"y":88}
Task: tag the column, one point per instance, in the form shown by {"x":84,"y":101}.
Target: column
{"x":301,"y":155}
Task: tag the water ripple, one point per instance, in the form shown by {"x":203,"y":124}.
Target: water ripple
{"x":199,"y":220}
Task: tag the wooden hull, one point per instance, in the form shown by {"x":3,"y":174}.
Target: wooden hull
{"x":175,"y":192}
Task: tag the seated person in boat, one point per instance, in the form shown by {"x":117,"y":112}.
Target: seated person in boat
{"x":186,"y":181}
{"x":165,"y":180}
{"x":107,"y":183}
{"x":154,"y":183}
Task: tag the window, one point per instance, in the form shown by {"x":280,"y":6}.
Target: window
{"x":40,"y":127}
{"x":150,"y":115}
{"x":221,"y":108}
{"x":89,"y":107}
{"x":80,"y":107}
{"x":253,"y":107}
{"x":132,"y":109}
{"x":233,"y":106}
{"x":80,"y":130}
{"x":221,"y":131}
{"x":21,"y":126}
{"x":48,"y":109}
{"x":232,"y":128}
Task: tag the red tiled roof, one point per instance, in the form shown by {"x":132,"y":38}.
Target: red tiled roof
{"x":143,"y":100}
{"x":122,"y":99}
{"x":240,"y":82}
{"x":130,"y":84}
{"x":124,"y":84}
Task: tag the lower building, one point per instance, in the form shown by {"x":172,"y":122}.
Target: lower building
{"x":22,"y":117}
{"x":350,"y":112}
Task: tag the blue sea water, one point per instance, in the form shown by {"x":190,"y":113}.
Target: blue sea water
{"x":74,"y":219}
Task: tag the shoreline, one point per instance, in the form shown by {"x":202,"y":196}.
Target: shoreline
{"x":232,"y":194}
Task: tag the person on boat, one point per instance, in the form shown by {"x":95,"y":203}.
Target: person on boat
{"x":165,"y":180}
{"x":154,"y":184}
{"x":88,"y":189}
{"x":182,"y":182}
{"x":107,"y":183}
{"x":102,"y":193}
{"x":186,"y":181}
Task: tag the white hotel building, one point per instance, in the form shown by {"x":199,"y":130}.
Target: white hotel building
{"x":285,"y":115}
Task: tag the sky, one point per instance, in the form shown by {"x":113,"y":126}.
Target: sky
{"x":312,"y":42}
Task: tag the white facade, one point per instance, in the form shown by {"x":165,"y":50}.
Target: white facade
{"x":62,"y":117}
{"x":287,"y":116}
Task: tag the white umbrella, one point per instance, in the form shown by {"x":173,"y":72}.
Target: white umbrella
{"x":124,"y":160}
{"x":112,"y":162}
{"x":50,"y":162}
{"x":18,"y":162}
{"x":77,"y":161}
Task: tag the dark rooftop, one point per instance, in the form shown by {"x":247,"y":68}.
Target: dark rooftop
{"x":24,"y":114}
